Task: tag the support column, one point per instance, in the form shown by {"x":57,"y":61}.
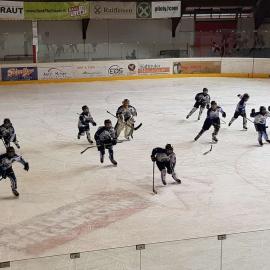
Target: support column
{"x":35,"y":41}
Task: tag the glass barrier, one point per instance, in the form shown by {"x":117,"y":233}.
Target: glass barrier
{"x":16,"y":47}
{"x":195,"y":254}
{"x":245,"y":251}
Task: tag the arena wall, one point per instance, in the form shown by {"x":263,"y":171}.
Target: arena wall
{"x":135,"y":69}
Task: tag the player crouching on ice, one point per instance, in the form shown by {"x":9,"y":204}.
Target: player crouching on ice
{"x":125,"y":114}
{"x":166,"y":161}
{"x":202,"y":101}
{"x":7,"y":134}
{"x":212,"y":119}
{"x":241,"y":110}
{"x":106,"y":139}
{"x":83,"y":124}
{"x":260,"y":123}
{"x":6,"y":170}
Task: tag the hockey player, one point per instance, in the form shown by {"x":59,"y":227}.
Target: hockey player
{"x":106,"y":139}
{"x":6,"y":170}
{"x":260,"y":123}
{"x":212,"y":119}
{"x":7,"y":133}
{"x":166,"y":161}
{"x":241,"y":110}
{"x":83,"y":124}
{"x":125,"y":114}
{"x":202,"y":101}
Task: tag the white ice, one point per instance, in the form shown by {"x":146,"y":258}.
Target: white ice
{"x":70,"y":202}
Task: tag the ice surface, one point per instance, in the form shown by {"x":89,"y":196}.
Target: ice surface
{"x":70,"y":202}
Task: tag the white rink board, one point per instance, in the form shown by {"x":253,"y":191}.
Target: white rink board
{"x":70,"y":202}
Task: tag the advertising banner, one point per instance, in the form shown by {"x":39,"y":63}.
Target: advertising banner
{"x":56,"y":10}
{"x":166,"y":9}
{"x":113,"y":10}
{"x":19,"y":73}
{"x":191,"y":67}
{"x":154,"y":68}
{"x":122,"y":69}
{"x":89,"y":70}
{"x":10,"y":10}
{"x":144,"y":10}
{"x":55,"y":72}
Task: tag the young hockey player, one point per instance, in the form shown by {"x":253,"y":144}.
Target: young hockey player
{"x":106,"y":139}
{"x":6,"y":170}
{"x":83,"y":124}
{"x":7,"y":133}
{"x":241,"y":110}
{"x":260,"y":123}
{"x":166,"y":161}
{"x":212,"y":119}
{"x":202,"y":101}
{"x":125,"y":114}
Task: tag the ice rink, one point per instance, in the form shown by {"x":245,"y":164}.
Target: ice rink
{"x":70,"y":202}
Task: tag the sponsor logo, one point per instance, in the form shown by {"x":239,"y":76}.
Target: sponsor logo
{"x":115,"y":70}
{"x":54,"y":73}
{"x":166,"y":8}
{"x":97,"y":9}
{"x":24,"y":72}
{"x":11,"y":10}
{"x":155,"y":68}
{"x":131,"y":67}
{"x":144,"y":10}
{"x":77,"y":11}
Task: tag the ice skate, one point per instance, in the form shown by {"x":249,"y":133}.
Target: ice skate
{"x":15,"y":192}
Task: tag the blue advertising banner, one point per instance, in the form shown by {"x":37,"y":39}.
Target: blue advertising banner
{"x":19,"y":73}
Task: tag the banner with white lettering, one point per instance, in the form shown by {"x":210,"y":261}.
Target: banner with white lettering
{"x":113,"y":10}
{"x":10,"y":10}
{"x":166,"y":9}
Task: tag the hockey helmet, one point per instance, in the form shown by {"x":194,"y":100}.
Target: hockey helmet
{"x":213,"y":102}
{"x":7,"y":121}
{"x":246,"y":96}
{"x":262,"y":109}
{"x":85,"y":107}
{"x":205,"y":90}
{"x":169,"y":147}
{"x":107,"y":121}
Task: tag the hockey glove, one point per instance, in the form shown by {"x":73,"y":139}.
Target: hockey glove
{"x":94,"y":124}
{"x":26,"y":166}
{"x":114,"y":142}
{"x":207,"y":106}
{"x":153,"y":158}
{"x":269,"y":108}
{"x":224,"y":115}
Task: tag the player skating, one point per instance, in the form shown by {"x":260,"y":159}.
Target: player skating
{"x":202,"y":100}
{"x":260,"y":123}
{"x":165,"y":159}
{"x":6,"y":169}
{"x":241,"y":110}
{"x":105,"y":139}
{"x":212,"y":119}
{"x":125,"y":115}
{"x":84,"y":123}
{"x":7,"y":133}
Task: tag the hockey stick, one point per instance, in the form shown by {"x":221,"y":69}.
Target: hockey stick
{"x":135,"y":128}
{"x":92,"y":146}
{"x":249,"y":120}
{"x":207,"y":152}
{"x":223,"y":122}
{"x":154,"y":190}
